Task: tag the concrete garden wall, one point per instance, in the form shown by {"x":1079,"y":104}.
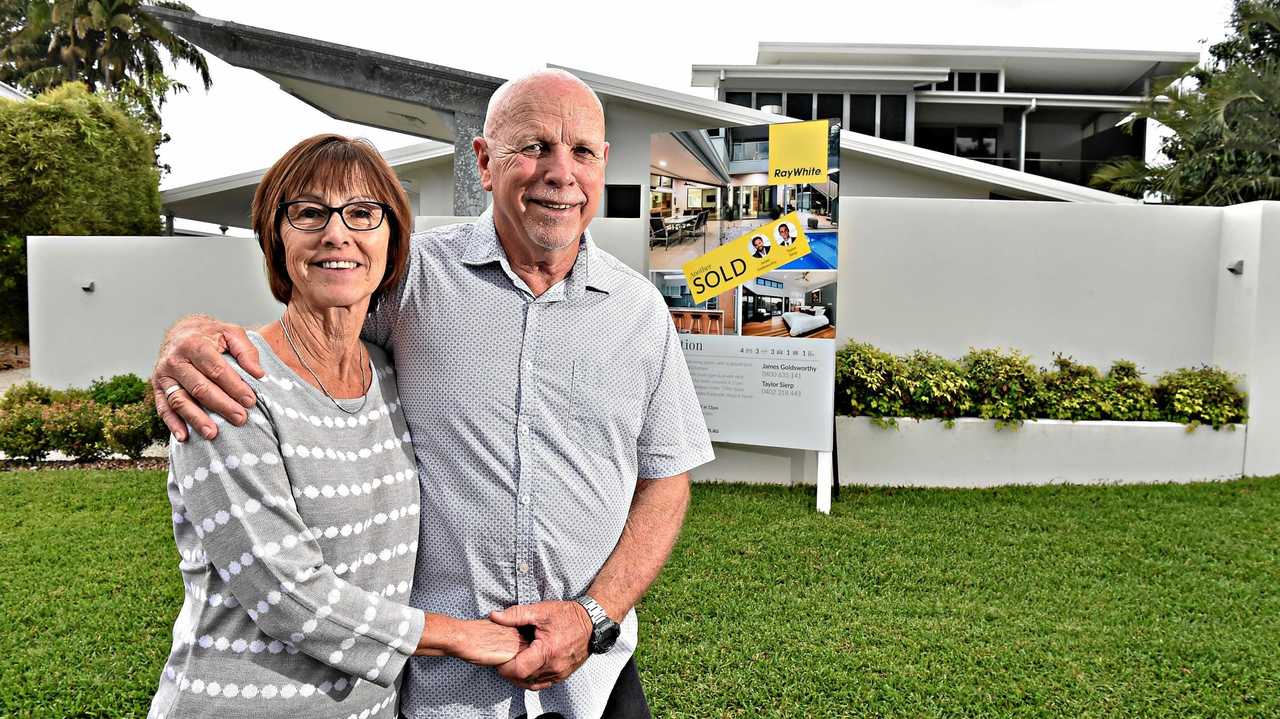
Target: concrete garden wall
{"x":973,"y":453}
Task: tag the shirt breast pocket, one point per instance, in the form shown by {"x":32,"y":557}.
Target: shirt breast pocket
{"x":604,"y":420}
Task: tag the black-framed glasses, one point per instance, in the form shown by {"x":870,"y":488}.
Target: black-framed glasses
{"x":311,"y":216}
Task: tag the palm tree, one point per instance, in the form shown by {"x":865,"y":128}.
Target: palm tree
{"x":1224,"y":148}
{"x":110,"y":45}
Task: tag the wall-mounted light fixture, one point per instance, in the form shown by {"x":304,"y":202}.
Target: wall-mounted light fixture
{"x":1236,"y":268}
{"x":87,"y":288}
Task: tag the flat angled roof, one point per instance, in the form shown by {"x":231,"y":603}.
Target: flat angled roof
{"x":723,"y":114}
{"x":1086,"y":69}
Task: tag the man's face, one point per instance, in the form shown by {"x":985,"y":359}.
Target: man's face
{"x":545,"y":164}
{"x":784,"y":231}
{"x":757,"y":243}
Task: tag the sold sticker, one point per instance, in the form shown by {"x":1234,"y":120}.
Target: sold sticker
{"x":737,"y":262}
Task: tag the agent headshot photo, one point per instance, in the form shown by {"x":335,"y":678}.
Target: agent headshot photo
{"x":784,"y":236}
{"x":759,"y":247}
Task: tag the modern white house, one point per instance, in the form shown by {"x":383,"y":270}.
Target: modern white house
{"x":925,"y":259}
{"x":446,"y":105}
{"x":1052,"y":112}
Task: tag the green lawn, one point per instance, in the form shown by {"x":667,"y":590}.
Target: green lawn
{"x":1063,"y":601}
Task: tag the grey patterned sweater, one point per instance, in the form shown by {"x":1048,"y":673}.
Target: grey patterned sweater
{"x":298,"y":536}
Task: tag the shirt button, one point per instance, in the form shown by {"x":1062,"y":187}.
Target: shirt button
{"x":523,"y":567}
{"x":524,"y":499}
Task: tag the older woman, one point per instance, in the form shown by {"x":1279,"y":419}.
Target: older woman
{"x":298,"y":531}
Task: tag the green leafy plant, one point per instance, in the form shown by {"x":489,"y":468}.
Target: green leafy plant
{"x":74,"y":426}
{"x":22,"y":431}
{"x":1200,"y":395}
{"x":934,"y":386}
{"x":120,"y":390}
{"x":129,"y":430}
{"x":71,"y":163}
{"x":26,"y":393}
{"x":868,"y":383}
{"x":1003,"y":385}
{"x":1071,"y":391}
{"x":1126,"y":397}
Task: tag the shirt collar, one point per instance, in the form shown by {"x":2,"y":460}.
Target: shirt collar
{"x":590,"y":271}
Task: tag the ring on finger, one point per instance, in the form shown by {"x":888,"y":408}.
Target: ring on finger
{"x":169,"y":391}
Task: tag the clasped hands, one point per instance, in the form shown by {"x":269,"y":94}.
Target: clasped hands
{"x":533,"y":646}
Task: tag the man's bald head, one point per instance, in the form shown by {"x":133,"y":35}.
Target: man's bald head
{"x":543,"y":156}
{"x":508,"y":98}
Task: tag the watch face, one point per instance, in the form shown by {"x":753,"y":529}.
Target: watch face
{"x":605,"y":638}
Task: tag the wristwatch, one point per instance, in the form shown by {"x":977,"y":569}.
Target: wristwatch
{"x":604,"y":631}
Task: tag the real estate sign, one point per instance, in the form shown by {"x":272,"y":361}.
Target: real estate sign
{"x":742,"y":243}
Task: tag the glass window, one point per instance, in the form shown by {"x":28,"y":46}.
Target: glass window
{"x":967,"y":81}
{"x":893,"y":117}
{"x":768,"y":98}
{"x":862,"y":114}
{"x":941,"y":139}
{"x":989,"y":82}
{"x":830,"y":107}
{"x":800,"y":105}
{"x":976,"y":142}
{"x":948,"y":84}
{"x":738,"y":98}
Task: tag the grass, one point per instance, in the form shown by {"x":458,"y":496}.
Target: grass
{"x":1061,"y":601}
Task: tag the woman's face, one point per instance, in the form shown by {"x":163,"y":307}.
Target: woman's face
{"x":335,"y":266}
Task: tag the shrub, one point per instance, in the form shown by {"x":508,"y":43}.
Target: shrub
{"x":129,"y":430}
{"x":1003,"y":385}
{"x":74,"y":426}
{"x":71,"y":163}
{"x":868,"y":381}
{"x":934,"y":386}
{"x":1071,"y":391}
{"x":22,"y":431}
{"x":120,"y":390}
{"x":24,"y":394}
{"x":1126,"y":396}
{"x":1200,"y":395}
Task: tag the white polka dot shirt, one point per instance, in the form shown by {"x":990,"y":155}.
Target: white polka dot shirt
{"x":298,"y":535}
{"x":532,"y":419}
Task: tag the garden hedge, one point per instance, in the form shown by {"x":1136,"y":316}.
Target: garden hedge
{"x":1003,"y":385}
{"x":71,"y":163}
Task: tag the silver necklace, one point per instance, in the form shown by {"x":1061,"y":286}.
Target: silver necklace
{"x":289,"y":338}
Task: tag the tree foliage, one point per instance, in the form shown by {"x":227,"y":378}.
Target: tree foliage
{"x":109,"y":45}
{"x":1225,"y":116}
{"x":71,"y":163}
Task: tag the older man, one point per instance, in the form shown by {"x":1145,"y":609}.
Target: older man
{"x":541,"y":378}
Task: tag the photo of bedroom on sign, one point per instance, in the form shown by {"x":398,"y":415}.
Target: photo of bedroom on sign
{"x":790,"y":304}
{"x":716,"y":316}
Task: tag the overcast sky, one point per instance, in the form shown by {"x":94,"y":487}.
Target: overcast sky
{"x":244,"y":122}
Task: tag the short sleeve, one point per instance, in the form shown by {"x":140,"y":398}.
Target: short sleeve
{"x":673,"y":437}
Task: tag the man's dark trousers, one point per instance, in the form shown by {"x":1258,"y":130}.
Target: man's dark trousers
{"x":626,"y":701}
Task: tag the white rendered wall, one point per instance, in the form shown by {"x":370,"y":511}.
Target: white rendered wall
{"x":973,"y":453}
{"x":141,"y":286}
{"x":1262,"y":452}
{"x":433,"y":183}
{"x":1098,"y":282}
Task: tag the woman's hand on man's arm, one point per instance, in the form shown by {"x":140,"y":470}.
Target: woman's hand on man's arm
{"x":191,"y":358}
{"x":478,"y":641}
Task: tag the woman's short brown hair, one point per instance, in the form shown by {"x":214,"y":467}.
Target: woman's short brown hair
{"x":342,"y":164}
